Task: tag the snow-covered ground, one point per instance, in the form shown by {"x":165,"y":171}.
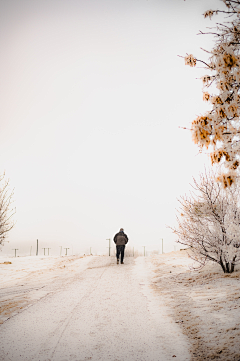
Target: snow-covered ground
{"x":25,"y":280}
{"x":206,"y":303}
{"x":89,"y":308}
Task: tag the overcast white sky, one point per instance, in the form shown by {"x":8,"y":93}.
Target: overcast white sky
{"x":92,"y":96}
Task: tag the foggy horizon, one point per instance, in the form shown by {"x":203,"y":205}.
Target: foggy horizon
{"x":94,"y":96}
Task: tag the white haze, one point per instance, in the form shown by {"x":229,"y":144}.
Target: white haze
{"x":93,"y":94}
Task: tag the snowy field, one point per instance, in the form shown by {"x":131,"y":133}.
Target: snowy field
{"x":89,"y":308}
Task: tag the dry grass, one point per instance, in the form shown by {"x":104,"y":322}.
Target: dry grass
{"x":10,"y":307}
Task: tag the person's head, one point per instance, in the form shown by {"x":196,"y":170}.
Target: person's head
{"x":121,"y":230}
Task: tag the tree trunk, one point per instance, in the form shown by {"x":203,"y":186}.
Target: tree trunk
{"x":222,"y":264}
{"x":232,"y":267}
{"x":227,"y":267}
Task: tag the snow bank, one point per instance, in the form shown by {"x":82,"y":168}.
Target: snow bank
{"x":205,"y":303}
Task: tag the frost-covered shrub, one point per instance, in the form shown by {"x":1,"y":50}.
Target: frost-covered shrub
{"x":128,"y":252}
{"x":219,"y":129}
{"x":6,"y":210}
{"x":209,"y":222}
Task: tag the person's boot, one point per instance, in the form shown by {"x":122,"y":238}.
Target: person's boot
{"x":122,"y":262}
{"x":117,"y":261}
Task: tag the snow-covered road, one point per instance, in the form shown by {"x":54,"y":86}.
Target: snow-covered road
{"x":102,"y":312}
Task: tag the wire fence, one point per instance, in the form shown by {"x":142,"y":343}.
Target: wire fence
{"x":43,"y":249}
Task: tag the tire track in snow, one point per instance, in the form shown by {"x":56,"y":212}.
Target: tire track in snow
{"x":71,"y":315}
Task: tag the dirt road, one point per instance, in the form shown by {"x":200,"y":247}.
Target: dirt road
{"x":103,"y":312}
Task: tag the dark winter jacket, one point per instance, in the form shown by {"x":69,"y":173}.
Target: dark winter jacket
{"x":120,"y":239}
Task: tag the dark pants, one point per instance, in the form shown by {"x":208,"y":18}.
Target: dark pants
{"x":120,"y":250}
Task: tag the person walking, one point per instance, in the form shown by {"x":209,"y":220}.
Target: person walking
{"x":120,"y":239}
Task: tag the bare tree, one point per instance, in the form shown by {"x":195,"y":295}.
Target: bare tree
{"x":6,"y":208}
{"x":219,"y":129}
{"x":209,"y":222}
